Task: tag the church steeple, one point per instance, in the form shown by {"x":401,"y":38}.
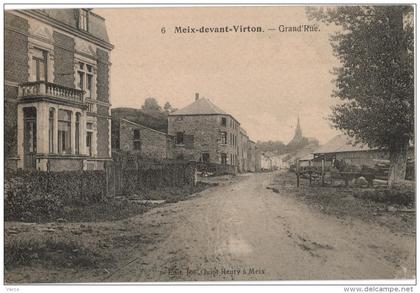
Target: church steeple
{"x":298,"y":131}
{"x":298,"y":138}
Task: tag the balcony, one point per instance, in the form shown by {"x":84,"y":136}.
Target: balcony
{"x":47,"y":90}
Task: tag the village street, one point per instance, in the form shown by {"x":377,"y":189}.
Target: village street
{"x":244,"y":231}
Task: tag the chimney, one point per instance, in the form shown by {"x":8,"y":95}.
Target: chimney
{"x":197,"y":96}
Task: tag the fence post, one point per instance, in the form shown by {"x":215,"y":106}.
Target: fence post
{"x":323,"y":171}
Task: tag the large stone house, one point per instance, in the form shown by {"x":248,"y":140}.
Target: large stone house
{"x":57,"y":99}
{"x":205,"y":133}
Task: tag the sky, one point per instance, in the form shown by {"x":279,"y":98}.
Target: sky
{"x":265,"y":80}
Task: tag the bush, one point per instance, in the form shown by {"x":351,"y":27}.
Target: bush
{"x":41,"y":196}
{"x":25,"y":206}
{"x":389,"y":196}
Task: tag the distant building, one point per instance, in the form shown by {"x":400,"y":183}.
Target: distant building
{"x":57,"y":98}
{"x":266,"y":162}
{"x":276,"y":161}
{"x":203,"y":132}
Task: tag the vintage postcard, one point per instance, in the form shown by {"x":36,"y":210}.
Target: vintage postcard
{"x":209,"y":143}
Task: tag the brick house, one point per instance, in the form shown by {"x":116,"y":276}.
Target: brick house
{"x":135,"y":138}
{"x":203,"y":132}
{"x":57,"y":96}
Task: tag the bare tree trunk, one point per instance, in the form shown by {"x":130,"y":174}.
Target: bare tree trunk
{"x":398,"y":163}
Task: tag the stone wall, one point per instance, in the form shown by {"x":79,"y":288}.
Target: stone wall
{"x":153,"y":143}
{"x":62,"y":164}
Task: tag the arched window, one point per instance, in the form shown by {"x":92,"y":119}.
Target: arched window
{"x":51,"y":130}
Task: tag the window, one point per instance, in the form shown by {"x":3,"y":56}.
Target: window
{"x":136,"y":138}
{"x":223,"y":121}
{"x":179,"y":138}
{"x":89,"y":133}
{"x":205,"y":157}
{"x":83,"y":19}
{"x":223,"y":158}
{"x":85,"y":78}
{"x":77,"y":134}
{"x":136,"y":134}
{"x":39,"y":65}
{"x":64,"y":132}
{"x":224,"y":137}
{"x":51,"y":131}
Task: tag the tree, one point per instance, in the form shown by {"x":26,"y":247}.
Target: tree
{"x":168,"y":108}
{"x":375,"y":81}
{"x":151,"y":104}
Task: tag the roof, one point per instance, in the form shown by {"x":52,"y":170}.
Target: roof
{"x":202,"y":106}
{"x":142,"y":126}
{"x":341,"y":143}
{"x":307,"y":157}
{"x":68,"y":20}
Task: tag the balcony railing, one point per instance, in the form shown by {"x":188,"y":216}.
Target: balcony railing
{"x":90,"y":106}
{"x":48,"y":89}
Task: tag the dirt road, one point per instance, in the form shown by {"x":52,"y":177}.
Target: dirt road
{"x":244,"y":231}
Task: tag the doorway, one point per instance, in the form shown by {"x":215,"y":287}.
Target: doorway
{"x":29,"y":138}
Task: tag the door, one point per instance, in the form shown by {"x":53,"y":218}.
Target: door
{"x":29,"y":139}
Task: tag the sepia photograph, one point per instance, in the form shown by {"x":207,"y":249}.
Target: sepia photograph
{"x":214,"y":144}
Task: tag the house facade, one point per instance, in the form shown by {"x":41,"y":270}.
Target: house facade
{"x":205,"y":133}
{"x":57,"y":99}
{"x":134,"y":138}
{"x":243,"y":151}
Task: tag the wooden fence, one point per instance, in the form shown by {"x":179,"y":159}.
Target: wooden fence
{"x":130,"y":174}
